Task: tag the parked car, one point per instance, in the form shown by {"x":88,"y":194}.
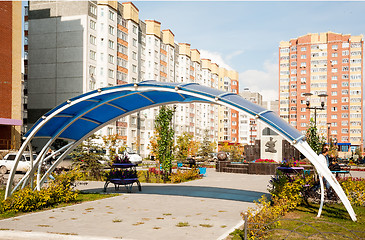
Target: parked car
{"x":133,"y":156}
{"x":7,"y":163}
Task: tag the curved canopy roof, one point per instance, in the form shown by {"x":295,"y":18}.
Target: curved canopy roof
{"x":79,"y":116}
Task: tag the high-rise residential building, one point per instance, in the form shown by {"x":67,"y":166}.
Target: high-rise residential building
{"x":271,"y":105}
{"x":11,"y":101}
{"x":75,"y":47}
{"x":325,"y":63}
{"x":249,"y":129}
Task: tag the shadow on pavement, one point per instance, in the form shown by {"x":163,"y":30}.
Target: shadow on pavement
{"x":190,"y":191}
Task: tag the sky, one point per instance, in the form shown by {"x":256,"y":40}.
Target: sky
{"x":245,"y":35}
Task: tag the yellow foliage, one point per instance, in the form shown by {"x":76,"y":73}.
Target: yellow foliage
{"x":27,"y":200}
{"x":354,"y":189}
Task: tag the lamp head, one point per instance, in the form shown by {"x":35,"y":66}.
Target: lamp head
{"x":322,"y":96}
{"x":307,"y":98}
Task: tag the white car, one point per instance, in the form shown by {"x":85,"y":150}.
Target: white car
{"x":7,"y":163}
{"x":133,"y":156}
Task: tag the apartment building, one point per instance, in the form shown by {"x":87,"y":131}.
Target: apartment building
{"x":78,"y":46}
{"x":11,"y":101}
{"x":249,"y":129}
{"x":324,"y":63}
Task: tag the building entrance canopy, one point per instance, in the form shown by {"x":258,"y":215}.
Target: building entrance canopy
{"x":79,"y":117}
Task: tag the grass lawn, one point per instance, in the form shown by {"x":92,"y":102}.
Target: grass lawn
{"x":81,"y":197}
{"x":334,"y":222}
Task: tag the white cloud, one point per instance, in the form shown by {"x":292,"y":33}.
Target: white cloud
{"x":215,"y":57}
{"x":263,"y":81}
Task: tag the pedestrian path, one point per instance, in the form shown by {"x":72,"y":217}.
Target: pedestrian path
{"x":208,"y":208}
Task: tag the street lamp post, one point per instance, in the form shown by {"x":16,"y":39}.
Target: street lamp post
{"x":322,"y":98}
{"x":328,"y":132}
{"x":251,"y":143}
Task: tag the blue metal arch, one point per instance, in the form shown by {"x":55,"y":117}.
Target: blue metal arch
{"x":96,"y":108}
{"x":79,"y":117}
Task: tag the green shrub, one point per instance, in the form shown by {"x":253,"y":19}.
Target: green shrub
{"x":285,"y":195}
{"x":157,"y":176}
{"x":58,"y":191}
{"x":287,"y":189}
{"x":184,"y":176}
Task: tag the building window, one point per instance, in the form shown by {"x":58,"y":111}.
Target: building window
{"x":303,"y":49}
{"x":134,"y":42}
{"x":92,"y":55}
{"x":111,"y":30}
{"x":92,"y":40}
{"x":92,"y":85}
{"x":134,"y":55}
{"x":92,"y":24}
{"x":110,"y":73}
{"x":93,"y":9}
{"x":134,"y":29}
{"x":334,"y":70}
{"x":111,"y":15}
{"x":92,"y":70}
{"x":134,"y":67}
{"x":111,"y":59}
{"x":334,"y":47}
{"x":111,"y":44}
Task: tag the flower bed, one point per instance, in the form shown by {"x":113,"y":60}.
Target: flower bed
{"x":154,"y":175}
{"x":264,"y":161}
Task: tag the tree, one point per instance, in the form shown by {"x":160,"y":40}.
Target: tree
{"x":225,"y":147}
{"x":153,"y":145}
{"x":113,"y":145}
{"x":165,"y":137}
{"x":206,"y":146}
{"x":86,"y":157}
{"x":313,"y":139}
{"x":234,"y":151}
{"x":183,"y":144}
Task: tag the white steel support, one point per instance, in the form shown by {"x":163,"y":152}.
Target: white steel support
{"x":31,"y":165}
{"x":69,"y":147}
{"x":324,"y":171}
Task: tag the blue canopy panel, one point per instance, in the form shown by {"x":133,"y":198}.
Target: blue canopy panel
{"x":77,"y":117}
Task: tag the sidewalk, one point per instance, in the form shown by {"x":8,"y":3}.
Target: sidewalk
{"x":210,"y":207}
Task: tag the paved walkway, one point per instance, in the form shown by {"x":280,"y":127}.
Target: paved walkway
{"x":210,"y":208}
